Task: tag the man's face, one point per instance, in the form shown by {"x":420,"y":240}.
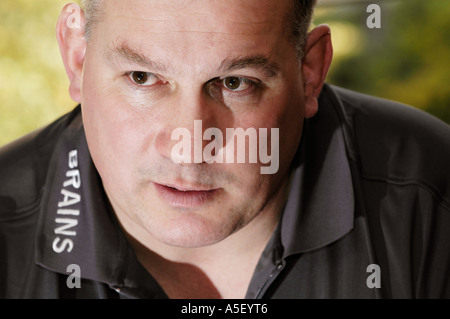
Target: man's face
{"x":154,"y":66}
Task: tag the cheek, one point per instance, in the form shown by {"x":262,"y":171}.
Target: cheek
{"x":111,"y":135}
{"x":290,"y":119}
{"x":285,"y":112}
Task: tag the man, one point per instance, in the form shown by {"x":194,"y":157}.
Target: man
{"x":357,"y":205}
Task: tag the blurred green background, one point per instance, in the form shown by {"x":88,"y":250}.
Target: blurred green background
{"x":406,"y":60}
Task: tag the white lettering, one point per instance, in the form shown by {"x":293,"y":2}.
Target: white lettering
{"x":198,"y":309}
{"x":70,"y":198}
{"x":74,"y":280}
{"x":67,"y":223}
{"x":181,"y":152}
{"x":74,"y":20}
{"x":75,"y":179}
{"x":240,"y":135}
{"x":374,"y":280}
{"x":198,"y":146}
{"x":214,"y":151}
{"x":73,"y":212}
{"x":273,"y":159}
{"x":73,"y":159}
{"x":66,"y":244}
{"x":65,"y":226}
{"x":374,"y":19}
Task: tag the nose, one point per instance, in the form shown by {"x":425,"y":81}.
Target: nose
{"x":181,"y":138}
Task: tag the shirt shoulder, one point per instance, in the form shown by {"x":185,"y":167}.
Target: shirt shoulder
{"x":394,"y":142}
{"x":24,"y":164}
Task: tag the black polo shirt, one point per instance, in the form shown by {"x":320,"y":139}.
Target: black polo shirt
{"x":368,"y":213}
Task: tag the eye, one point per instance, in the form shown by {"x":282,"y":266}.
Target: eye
{"x":237,"y":84}
{"x":143,"y":78}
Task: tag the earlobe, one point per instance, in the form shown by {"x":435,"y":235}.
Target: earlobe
{"x":311,"y":102}
{"x":72,"y":44}
{"x":315,"y":65}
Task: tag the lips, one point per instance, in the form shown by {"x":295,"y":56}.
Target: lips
{"x":185,"y":196}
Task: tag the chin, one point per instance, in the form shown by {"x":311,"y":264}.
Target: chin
{"x":192,"y":231}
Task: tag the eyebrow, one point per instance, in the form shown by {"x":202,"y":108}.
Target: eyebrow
{"x":259,"y":62}
{"x":124,"y":52}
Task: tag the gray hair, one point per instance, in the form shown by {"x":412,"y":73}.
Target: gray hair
{"x":92,"y":13}
{"x":299,"y":19}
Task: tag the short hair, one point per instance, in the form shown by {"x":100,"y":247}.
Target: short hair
{"x":92,"y":13}
{"x":299,"y":19}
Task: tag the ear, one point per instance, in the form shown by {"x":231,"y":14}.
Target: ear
{"x":72,"y":44}
{"x":315,"y":65}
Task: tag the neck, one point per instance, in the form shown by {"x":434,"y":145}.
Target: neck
{"x":221,"y":270}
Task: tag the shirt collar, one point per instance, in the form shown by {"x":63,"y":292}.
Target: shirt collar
{"x":320,"y":205}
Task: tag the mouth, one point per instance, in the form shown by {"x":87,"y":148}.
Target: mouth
{"x":185,"y":196}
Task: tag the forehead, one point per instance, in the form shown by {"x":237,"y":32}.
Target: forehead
{"x":196,"y":33}
{"x":246,"y":17}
